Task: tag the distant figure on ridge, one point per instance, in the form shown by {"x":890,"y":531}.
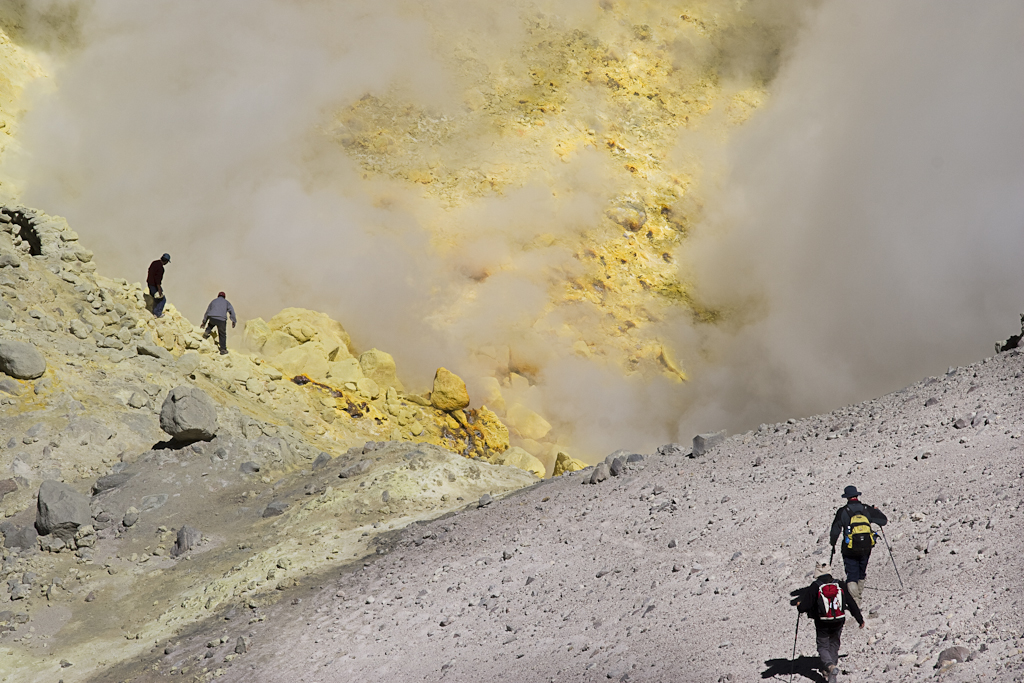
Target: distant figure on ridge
{"x":217,"y":316}
{"x":853,"y":521}
{"x":1013,"y":341}
{"x":826,"y":601}
{"x":155,"y":280}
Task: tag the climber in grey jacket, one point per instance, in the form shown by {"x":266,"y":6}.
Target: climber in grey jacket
{"x":217,"y":316}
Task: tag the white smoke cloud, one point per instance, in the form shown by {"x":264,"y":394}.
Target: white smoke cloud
{"x":862,"y":231}
{"x":871,"y":226}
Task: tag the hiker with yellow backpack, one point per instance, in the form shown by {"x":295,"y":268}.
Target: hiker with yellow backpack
{"x":853,"y":523}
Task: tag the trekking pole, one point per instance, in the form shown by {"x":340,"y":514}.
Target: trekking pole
{"x":792,"y":662}
{"x":882,"y":529}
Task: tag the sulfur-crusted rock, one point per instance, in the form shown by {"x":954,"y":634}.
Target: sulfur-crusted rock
{"x":308,"y":359}
{"x":380,"y":367}
{"x":495,"y":433}
{"x":277,"y":343}
{"x":529,"y":424}
{"x":188,"y":414}
{"x":517,"y":457}
{"x":344,"y":371}
{"x":21,"y":360}
{"x":305,"y":326}
{"x":368,"y":388}
{"x":565,"y":463}
{"x":256,"y":334}
{"x":60,"y":510}
{"x":449,"y":392}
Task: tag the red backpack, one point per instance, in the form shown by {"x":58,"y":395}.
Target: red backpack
{"x":830,"y":602}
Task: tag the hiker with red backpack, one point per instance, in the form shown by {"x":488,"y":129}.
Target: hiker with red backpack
{"x":826,"y":601}
{"x":853,"y":522}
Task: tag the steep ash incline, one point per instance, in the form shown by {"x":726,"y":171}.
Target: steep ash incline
{"x":680,"y":568}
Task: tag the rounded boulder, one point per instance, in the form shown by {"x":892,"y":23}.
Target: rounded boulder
{"x":189,"y":414}
{"x":21,"y":360}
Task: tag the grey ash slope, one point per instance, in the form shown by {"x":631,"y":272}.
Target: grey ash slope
{"x":680,"y":569}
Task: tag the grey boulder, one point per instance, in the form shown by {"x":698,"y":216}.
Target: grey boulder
{"x":21,"y":360}
{"x":188,"y":414}
{"x":188,"y":538}
{"x":60,"y":510}
{"x":702,"y":443}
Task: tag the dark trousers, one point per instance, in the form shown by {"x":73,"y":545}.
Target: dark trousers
{"x":222,"y":332}
{"x":856,"y":567}
{"x":158,"y":304}
{"x":827,"y":639}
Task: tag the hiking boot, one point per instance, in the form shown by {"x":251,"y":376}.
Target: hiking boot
{"x":223,"y":353}
{"x":206,"y":335}
{"x":854,"y":588}
{"x":833,"y":674}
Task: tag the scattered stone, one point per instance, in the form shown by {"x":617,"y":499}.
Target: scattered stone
{"x":958,"y":653}
{"x":188,"y":363}
{"x":10,"y":386}
{"x":7,"y":486}
{"x":249,"y":467}
{"x":19,"y":536}
{"x":188,"y":414}
{"x":275,"y":508}
{"x":356,"y":469}
{"x":671,"y":449}
{"x":60,"y":510}
{"x":91,"y":596}
{"x":615,"y":469}
{"x":601,"y":472}
{"x":635,"y":457}
{"x":930,"y":402}
{"x":110,"y":481}
{"x":449,"y":392}
{"x":241,"y":645}
{"x":188,"y":538}
{"x":485,"y":500}
{"x":21,"y":360}
{"x":131,"y":517}
{"x":321,"y":461}
{"x":702,"y":443}
{"x":154,"y":351}
{"x":960,"y":423}
{"x":385,"y":497}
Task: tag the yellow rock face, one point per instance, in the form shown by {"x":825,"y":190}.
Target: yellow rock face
{"x":449,"y":392}
{"x":529,"y":424}
{"x":517,"y":457}
{"x":380,"y":367}
{"x":565,"y":463}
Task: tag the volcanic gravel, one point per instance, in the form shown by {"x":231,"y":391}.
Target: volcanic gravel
{"x":680,"y":569}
